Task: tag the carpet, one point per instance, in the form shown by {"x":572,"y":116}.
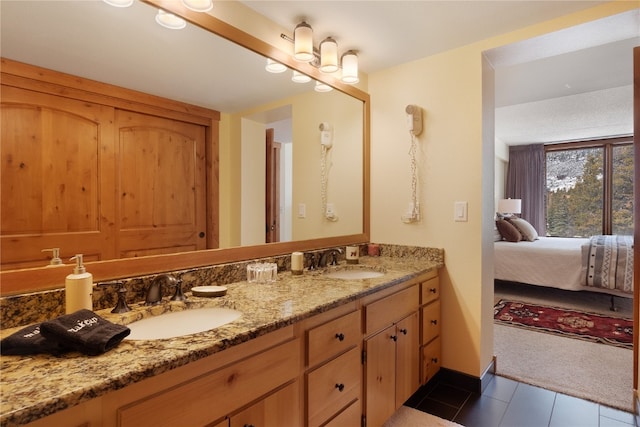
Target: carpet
{"x":409,"y":417}
{"x":592,"y":327}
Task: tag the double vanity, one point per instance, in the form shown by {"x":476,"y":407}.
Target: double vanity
{"x":315,"y":349}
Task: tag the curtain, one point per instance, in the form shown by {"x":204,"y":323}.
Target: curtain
{"x":526,"y":181}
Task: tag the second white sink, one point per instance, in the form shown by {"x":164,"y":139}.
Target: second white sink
{"x":179,"y":323}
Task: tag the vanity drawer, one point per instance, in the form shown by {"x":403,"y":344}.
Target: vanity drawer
{"x":430,"y":290}
{"x":386,"y":311}
{"x":333,"y":337}
{"x":430,"y":321}
{"x":352,"y":416}
{"x":430,"y":360}
{"x":333,"y":386}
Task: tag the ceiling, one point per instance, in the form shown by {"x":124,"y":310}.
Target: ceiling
{"x":530,"y":90}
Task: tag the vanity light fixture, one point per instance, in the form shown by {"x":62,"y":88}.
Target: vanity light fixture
{"x":350,"y":67}
{"x":303,"y":42}
{"x":325,"y":58}
{"x":274,"y":66}
{"x":119,"y":3}
{"x":322,"y":87}
{"x":299,"y":77}
{"x":328,"y":55}
{"x":198,"y":5}
{"x":169,"y":20}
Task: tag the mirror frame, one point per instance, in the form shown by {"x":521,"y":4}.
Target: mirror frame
{"x":45,"y":278}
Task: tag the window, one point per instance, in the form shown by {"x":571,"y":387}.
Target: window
{"x":589,"y":188}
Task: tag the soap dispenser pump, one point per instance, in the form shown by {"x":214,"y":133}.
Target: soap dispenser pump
{"x":78,"y":288}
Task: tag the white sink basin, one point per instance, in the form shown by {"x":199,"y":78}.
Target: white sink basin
{"x":355,"y":274}
{"x":179,"y":323}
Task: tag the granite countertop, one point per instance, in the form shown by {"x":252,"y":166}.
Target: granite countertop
{"x":36,"y":386}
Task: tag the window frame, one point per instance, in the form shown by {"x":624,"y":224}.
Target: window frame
{"x":607,"y":170}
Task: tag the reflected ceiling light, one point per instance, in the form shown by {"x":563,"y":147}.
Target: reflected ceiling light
{"x":169,"y":20}
{"x":322,"y":87}
{"x":299,"y":77}
{"x":328,"y":55}
{"x":274,"y":66}
{"x":198,"y":5}
{"x":119,"y":3}
{"x":350,"y":67}
{"x":303,"y":42}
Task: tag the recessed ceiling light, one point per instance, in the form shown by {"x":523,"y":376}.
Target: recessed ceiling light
{"x":119,"y":3}
{"x":198,"y":5}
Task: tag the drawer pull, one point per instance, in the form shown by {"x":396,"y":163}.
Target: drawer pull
{"x":249,"y":425}
{"x":340,"y":337}
{"x":394,"y":337}
{"x":340,"y":387}
{"x":434,"y":322}
{"x":434,"y":359}
{"x":404,"y":331}
{"x":433,"y":290}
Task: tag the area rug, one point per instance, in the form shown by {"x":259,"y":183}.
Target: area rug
{"x":569,"y":323}
{"x":409,"y":417}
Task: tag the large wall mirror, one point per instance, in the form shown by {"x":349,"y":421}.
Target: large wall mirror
{"x":216,"y":66}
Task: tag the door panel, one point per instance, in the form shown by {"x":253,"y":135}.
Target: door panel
{"x":162,"y":208}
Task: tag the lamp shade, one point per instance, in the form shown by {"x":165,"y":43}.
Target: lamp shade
{"x":303,"y":42}
{"x":169,"y":20}
{"x":512,"y":206}
{"x":119,"y":3}
{"x":322,"y":87}
{"x":274,"y":66}
{"x":198,"y":5}
{"x":299,"y":77}
{"x":329,"y":55}
{"x":350,"y":67}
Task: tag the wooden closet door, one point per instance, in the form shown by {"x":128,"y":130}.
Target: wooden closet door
{"x":161,"y":185}
{"x":57,"y":178}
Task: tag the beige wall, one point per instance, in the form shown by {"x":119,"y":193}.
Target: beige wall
{"x":456,"y":164}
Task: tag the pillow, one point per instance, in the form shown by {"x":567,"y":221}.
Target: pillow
{"x":525,"y":228}
{"x":508,"y":231}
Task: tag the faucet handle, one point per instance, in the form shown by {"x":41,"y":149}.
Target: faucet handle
{"x":121,"y":305}
{"x":178,"y":295}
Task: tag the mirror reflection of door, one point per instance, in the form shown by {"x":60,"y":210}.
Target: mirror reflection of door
{"x":272,"y":190}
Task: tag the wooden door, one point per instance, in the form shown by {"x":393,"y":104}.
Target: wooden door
{"x":57,"y":179}
{"x":407,"y":358}
{"x":162,"y":208}
{"x":276,"y":410}
{"x":380,"y":376}
{"x":272,"y":190}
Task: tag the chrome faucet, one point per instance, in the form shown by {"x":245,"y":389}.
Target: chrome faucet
{"x":334,"y":257}
{"x":154,"y":291}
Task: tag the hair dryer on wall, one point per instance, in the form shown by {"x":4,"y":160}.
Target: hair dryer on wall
{"x":414,"y":119}
{"x":326,"y":134}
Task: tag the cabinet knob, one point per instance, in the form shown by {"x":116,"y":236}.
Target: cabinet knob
{"x":404,"y":331}
{"x":432,"y":290}
{"x":340,"y":387}
{"x":434,"y":359}
{"x":394,"y":337}
{"x":434,"y":322}
{"x":249,"y":425}
{"x":340,"y":337}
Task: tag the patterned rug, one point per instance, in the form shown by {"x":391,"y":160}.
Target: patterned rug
{"x":570,"y":323}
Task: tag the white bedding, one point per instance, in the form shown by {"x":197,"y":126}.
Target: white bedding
{"x":549,"y":261}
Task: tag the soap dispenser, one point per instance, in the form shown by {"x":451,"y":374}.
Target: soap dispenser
{"x":78,"y":288}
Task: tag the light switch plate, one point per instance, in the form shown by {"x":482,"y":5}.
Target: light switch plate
{"x":302,"y":210}
{"x":460,"y":212}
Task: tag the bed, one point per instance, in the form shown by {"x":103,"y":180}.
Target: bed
{"x":597,"y":264}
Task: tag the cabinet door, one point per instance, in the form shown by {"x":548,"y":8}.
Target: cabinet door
{"x":380,"y":377}
{"x":162,"y":208}
{"x":407,"y":358}
{"x":276,"y":410}
{"x":57,"y":184}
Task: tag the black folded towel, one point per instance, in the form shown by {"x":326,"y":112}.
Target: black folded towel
{"x":29,"y":340}
{"x":85,"y":332}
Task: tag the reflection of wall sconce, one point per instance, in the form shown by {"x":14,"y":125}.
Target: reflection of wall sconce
{"x":322,"y":87}
{"x":198,"y":5}
{"x":510,"y":206}
{"x":326,"y":57}
{"x":274,"y":66}
{"x":169,"y":20}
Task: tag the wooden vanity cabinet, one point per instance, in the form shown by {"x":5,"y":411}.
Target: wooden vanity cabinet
{"x":334,"y":370}
{"x":430,"y":347}
{"x":392,"y":362}
{"x":279,"y":409}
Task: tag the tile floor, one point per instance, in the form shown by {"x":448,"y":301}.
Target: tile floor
{"x":508,"y":403}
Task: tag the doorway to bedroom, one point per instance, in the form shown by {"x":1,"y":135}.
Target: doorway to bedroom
{"x":535,"y":107}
